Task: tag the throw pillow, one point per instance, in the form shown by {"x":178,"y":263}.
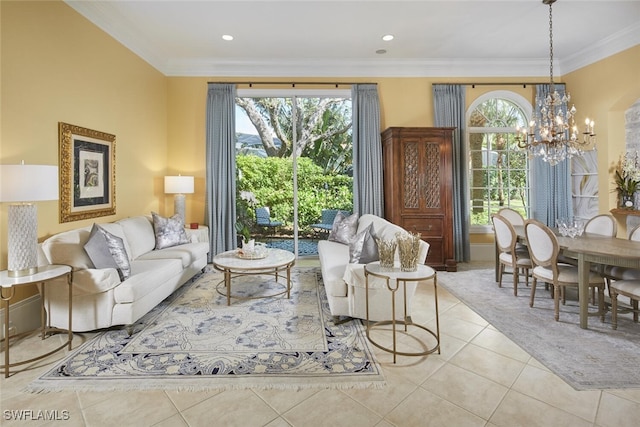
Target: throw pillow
{"x":169,"y":231}
{"x":363,"y":249}
{"x":101,"y":245}
{"x":344,"y":228}
{"x":98,"y":251}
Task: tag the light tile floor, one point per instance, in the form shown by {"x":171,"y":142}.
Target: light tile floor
{"x":480,"y":378}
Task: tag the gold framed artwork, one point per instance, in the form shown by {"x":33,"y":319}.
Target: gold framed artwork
{"x":87,"y":173}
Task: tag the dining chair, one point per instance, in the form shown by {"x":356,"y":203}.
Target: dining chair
{"x":544,"y":250}
{"x":628,"y":288}
{"x":605,"y":225}
{"x":624,"y":273}
{"x":516,"y":219}
{"x":622,"y":281}
{"x":512,"y":215}
{"x":509,"y":255}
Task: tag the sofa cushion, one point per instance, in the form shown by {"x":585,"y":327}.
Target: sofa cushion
{"x":98,"y":250}
{"x":169,"y":231}
{"x":344,"y":228}
{"x":140,"y":235}
{"x":146,"y":275}
{"x":187,"y":253}
{"x":363,"y":248}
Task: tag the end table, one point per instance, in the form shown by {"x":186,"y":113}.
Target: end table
{"x":7,"y":292}
{"x":394,"y":278}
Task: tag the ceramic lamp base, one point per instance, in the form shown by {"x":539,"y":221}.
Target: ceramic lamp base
{"x":179,"y":206}
{"x":22,"y":240}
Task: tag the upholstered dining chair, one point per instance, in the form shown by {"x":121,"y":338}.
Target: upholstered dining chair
{"x":544,"y":250}
{"x":624,"y":273}
{"x":605,"y":225}
{"x":628,"y":288}
{"x":623,"y":281}
{"x":516,"y":219}
{"x":512,"y":215}
{"x":509,"y":255}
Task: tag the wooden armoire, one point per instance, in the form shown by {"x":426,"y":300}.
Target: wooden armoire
{"x":418,"y":187}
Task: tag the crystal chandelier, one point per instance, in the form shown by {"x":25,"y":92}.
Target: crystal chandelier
{"x":553,"y":134}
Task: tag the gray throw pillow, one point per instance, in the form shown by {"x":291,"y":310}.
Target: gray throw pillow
{"x":344,"y":228}
{"x":363,"y":249}
{"x":169,"y":231}
{"x":107,"y":250}
{"x":98,"y":251}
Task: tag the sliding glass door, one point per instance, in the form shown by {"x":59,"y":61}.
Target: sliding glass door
{"x":294,"y":161}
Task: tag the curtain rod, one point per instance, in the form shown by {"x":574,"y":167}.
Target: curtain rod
{"x":293,"y":84}
{"x":523,"y":84}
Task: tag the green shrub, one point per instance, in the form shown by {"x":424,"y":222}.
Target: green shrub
{"x":271,"y":181}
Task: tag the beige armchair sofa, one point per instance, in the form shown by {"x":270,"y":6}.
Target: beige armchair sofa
{"x":345,"y":282}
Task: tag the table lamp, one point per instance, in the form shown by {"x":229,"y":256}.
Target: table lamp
{"x":20,"y":185}
{"x":178,"y":185}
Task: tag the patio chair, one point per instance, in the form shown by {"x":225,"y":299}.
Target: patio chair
{"x":263,"y":218}
{"x":326,"y":220}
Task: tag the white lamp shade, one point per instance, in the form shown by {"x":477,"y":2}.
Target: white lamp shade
{"x":178,"y":184}
{"x":28,"y":183}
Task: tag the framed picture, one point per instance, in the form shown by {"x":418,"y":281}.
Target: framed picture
{"x":87,"y":173}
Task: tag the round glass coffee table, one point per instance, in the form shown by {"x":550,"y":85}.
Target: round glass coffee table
{"x":394,"y":278}
{"x":274,"y":262}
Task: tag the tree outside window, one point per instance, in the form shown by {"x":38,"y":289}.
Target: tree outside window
{"x":498,"y":169}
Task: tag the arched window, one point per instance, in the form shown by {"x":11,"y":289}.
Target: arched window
{"x":498,"y":169}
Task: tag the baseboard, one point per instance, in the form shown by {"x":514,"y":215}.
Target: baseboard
{"x":23,"y":315}
{"x":483,"y":252}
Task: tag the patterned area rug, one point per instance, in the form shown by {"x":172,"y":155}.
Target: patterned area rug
{"x":193,"y":341}
{"x":594,"y":358}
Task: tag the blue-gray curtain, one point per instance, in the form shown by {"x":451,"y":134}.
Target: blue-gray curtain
{"x":449,"y":111}
{"x":551,"y":185}
{"x":368,"y":195}
{"x":221,"y":167}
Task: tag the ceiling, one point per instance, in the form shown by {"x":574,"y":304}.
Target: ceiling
{"x":325,"y":38}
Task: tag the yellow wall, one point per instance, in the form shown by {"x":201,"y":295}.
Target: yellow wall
{"x":58,"y":67}
{"x":604,"y":91}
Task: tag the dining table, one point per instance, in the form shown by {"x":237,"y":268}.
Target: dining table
{"x":590,"y":248}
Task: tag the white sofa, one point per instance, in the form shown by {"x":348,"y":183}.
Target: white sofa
{"x":345,"y":282}
{"x":100,"y":298}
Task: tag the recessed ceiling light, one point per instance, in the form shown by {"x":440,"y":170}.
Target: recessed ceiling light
{"x":387,"y":37}
{"x":227,"y":37}
{"x":381,"y":51}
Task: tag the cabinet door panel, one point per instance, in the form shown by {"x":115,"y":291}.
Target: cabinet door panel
{"x":435,"y":256}
{"x":424,"y":226}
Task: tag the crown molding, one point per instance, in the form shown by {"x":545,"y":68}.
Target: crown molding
{"x":622,"y":40}
{"x":107,"y":18}
{"x":358,"y":68}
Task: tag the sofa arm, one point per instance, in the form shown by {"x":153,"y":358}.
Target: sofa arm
{"x":94,"y":280}
{"x":354,"y":276}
